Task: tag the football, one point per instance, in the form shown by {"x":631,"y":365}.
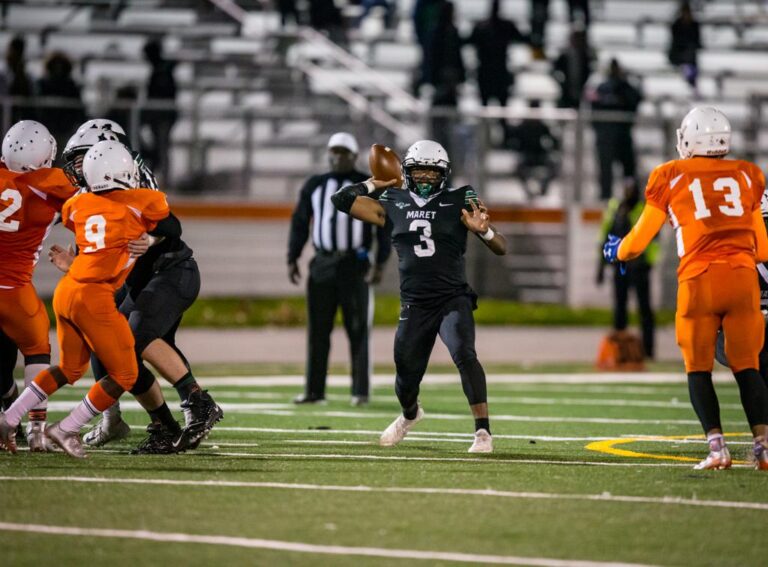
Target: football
{"x":385,"y":164}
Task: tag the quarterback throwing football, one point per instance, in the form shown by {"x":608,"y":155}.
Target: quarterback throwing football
{"x":430,"y":222}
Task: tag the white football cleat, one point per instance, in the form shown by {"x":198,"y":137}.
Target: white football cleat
{"x":69,"y":441}
{"x":399,"y":428}
{"x":36,"y":439}
{"x":7,"y":435}
{"x":716,"y":460}
{"x":105,"y":431}
{"x":483,"y":442}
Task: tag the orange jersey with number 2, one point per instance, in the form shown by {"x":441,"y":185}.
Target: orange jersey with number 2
{"x":28,"y":206}
{"x":710,"y":204}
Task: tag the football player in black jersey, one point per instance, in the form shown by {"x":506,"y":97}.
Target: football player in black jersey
{"x":163,"y":283}
{"x":430,"y":222}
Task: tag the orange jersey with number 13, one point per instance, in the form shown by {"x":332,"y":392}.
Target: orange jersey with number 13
{"x":104,"y":224}
{"x":710,"y":203}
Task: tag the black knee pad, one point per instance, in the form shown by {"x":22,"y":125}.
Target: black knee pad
{"x":37,"y":359}
{"x":144,"y":381}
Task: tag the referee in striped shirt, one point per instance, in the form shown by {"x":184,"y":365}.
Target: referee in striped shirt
{"x":338,"y":274}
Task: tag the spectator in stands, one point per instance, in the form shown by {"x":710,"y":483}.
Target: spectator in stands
{"x":426,"y":14}
{"x":572,"y":69}
{"x":288,"y":10}
{"x":161,"y":92}
{"x":390,"y":11}
{"x":491,"y":39}
{"x":447,"y":73}
{"x":685,"y":42}
{"x":15,"y":82}
{"x":536,"y":146}
{"x":578,"y":12}
{"x":614,"y":137}
{"x":325,"y":16}
{"x":63,"y":116}
{"x":619,"y":218}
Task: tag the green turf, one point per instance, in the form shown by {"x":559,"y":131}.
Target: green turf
{"x":284,"y":449}
{"x":291,"y":312}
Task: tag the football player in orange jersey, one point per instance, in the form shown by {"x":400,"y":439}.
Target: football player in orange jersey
{"x":31,"y":196}
{"x":162,"y":284}
{"x":714,"y":206}
{"x":104,"y":220}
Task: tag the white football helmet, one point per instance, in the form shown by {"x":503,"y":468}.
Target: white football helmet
{"x":426,"y":154}
{"x":109,"y":165}
{"x":102,"y":124}
{"x":77,"y":146}
{"x":28,"y":146}
{"x":705,"y":131}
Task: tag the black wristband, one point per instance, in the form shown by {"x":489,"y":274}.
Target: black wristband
{"x":345,"y":197}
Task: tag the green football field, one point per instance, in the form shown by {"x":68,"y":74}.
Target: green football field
{"x":583,"y":473}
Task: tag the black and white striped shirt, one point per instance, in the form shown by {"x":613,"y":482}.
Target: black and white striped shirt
{"x":332,"y":230}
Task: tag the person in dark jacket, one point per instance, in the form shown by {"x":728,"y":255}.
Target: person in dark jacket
{"x":447,"y":74}
{"x":491,"y":39}
{"x":614,"y":137}
{"x":161,"y":90}
{"x":58,"y":83}
{"x":685,"y":42}
{"x":572,"y":68}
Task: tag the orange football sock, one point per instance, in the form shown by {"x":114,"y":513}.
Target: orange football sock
{"x":99,"y":398}
{"x":46,"y":382}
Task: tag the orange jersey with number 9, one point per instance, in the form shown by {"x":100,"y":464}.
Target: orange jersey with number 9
{"x":28,"y":206}
{"x":104,"y":224}
{"x":710,"y":204}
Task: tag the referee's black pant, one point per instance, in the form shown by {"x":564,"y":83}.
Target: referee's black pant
{"x":337,"y":280}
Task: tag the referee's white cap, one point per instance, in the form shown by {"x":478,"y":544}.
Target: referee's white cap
{"x":344,"y":140}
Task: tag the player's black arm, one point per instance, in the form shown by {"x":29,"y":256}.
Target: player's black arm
{"x":169,"y":227}
{"x":354,"y":200}
{"x":497,"y":244}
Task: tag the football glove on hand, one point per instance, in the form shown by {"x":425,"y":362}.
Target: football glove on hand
{"x":611,"y":251}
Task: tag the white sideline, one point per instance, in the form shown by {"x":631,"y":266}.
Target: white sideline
{"x":277,"y":545}
{"x":605,"y":497}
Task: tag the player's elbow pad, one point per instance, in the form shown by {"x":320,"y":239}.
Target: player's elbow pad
{"x":345,"y":197}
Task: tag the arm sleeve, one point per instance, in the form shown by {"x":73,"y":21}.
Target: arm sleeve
{"x":53,"y":182}
{"x":646,"y":228}
{"x":169,"y":227}
{"x":758,"y":185}
{"x":155,"y":206}
{"x":302,"y":216}
{"x":383,"y":243}
{"x":657,"y":190}
{"x":761,"y":237}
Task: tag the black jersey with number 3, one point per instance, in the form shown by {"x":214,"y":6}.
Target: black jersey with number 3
{"x":430,"y":240}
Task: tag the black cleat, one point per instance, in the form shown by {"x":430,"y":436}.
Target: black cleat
{"x":200,"y":414}
{"x":158,"y":442}
{"x":309,"y":399}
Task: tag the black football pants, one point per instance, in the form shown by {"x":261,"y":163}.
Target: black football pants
{"x":415,"y":337}
{"x":335,"y":283}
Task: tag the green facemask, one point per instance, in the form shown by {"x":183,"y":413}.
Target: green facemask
{"x":423,"y":189}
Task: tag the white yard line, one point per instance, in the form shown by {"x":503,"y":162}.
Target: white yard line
{"x":486,"y":492}
{"x":491,"y":460}
{"x":276,"y":545}
{"x":277,"y":410}
{"x":633,"y":378}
